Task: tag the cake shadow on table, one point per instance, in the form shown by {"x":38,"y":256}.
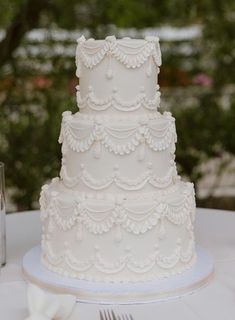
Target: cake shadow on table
{"x":118,"y":223}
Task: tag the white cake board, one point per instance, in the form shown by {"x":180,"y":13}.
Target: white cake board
{"x":110,"y":293}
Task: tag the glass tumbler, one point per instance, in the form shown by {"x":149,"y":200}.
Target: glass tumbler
{"x":2,"y":216}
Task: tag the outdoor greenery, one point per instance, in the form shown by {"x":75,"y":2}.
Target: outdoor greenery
{"x":37,"y":80}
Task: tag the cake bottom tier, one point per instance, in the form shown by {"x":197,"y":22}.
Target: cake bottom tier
{"x":118,"y":239}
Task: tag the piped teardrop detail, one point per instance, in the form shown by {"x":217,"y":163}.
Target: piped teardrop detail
{"x":149,"y":68}
{"x":109,"y":72}
{"x":118,"y":235}
{"x":97,"y":149}
{"x":79,"y":234}
{"x":162,"y":230}
{"x":141,"y":154}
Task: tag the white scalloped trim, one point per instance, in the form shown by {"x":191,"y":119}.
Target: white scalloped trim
{"x":104,"y":117}
{"x":115,"y":178}
{"x":115,"y":102}
{"x":100,"y":216}
{"x":78,"y":268}
{"x":130,"y":53}
{"x":150,"y":195}
{"x":118,"y":138}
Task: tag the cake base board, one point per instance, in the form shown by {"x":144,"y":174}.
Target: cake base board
{"x":127,"y":293}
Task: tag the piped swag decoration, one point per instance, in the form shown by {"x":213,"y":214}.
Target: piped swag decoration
{"x":91,"y":53}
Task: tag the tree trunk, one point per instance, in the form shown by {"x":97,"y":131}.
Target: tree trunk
{"x":26,"y":19}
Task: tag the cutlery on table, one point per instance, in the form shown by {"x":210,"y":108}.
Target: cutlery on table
{"x":110,"y":315}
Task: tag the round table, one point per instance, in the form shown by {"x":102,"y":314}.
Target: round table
{"x":215,"y":231}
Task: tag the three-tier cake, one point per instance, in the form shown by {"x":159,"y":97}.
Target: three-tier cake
{"x":118,"y":212}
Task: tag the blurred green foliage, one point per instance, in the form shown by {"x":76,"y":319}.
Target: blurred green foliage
{"x":124,"y":13}
{"x":35,"y":88}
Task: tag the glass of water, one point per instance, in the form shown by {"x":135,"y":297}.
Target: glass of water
{"x":2,"y":216}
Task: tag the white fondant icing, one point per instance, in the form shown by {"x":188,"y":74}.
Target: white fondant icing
{"x":124,"y":183}
{"x":115,"y":102}
{"x":120,"y":138}
{"x":127,"y":262}
{"x":132,"y":54}
{"x":100,"y":216}
{"x":121,"y":220}
{"x":119,"y":212}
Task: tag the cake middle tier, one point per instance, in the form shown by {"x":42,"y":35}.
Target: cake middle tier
{"x":130,"y":154}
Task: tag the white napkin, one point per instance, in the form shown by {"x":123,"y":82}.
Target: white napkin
{"x":47,"y":306}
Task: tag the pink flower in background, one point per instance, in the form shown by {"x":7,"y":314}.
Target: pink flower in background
{"x":42,"y":82}
{"x":202,"y":79}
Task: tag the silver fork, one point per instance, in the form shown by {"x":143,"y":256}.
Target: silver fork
{"x":125,"y":317}
{"x":107,"y":315}
{"x":110,"y":315}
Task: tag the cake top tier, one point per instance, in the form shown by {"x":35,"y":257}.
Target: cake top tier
{"x":115,"y":72}
{"x":132,"y":53}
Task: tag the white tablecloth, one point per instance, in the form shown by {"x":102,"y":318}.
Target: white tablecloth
{"x":215,"y":231}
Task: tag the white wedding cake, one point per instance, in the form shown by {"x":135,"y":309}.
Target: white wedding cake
{"x":118,"y":212}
